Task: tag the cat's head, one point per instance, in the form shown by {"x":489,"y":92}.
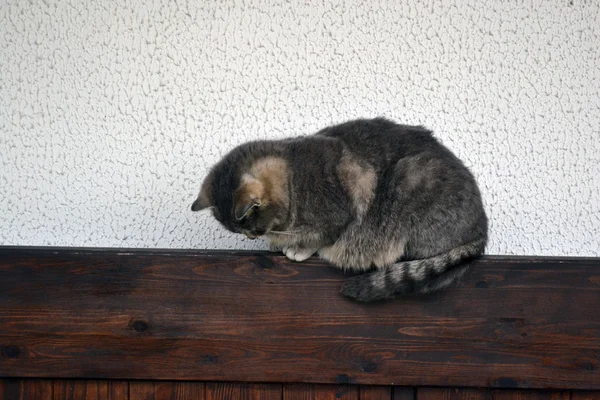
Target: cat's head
{"x":247,"y":193}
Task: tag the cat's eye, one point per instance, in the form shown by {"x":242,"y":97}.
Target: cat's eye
{"x":248,"y":215}
{"x":242,"y":214}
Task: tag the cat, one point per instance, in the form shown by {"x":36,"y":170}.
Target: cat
{"x":368,"y":195}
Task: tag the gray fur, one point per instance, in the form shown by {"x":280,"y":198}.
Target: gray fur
{"x":366,"y":194}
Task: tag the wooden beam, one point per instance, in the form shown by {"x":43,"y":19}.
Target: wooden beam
{"x":513,"y":322}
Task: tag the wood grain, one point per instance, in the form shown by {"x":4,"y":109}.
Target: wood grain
{"x":90,"y":390}
{"x":375,"y":393}
{"x":404,"y":393}
{"x":453,"y":394}
{"x":254,"y":317}
{"x":24,"y":389}
{"x":10,"y":389}
{"x":178,"y":390}
{"x":530,"y":395}
{"x":580,"y":395}
{"x":489,"y":394}
{"x":36,"y":389}
{"x":243,"y":391}
{"x":165,"y":390}
{"x":319,"y":392}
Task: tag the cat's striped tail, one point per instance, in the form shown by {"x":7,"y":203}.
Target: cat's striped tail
{"x":415,"y":276}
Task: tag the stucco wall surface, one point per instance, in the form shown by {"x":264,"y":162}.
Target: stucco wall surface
{"x":112,"y":112}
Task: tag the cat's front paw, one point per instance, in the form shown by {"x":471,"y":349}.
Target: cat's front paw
{"x":298,"y":254}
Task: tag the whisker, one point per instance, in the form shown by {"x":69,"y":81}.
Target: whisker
{"x":285,"y":232}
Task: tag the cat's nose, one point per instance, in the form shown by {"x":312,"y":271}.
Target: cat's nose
{"x":250,"y":235}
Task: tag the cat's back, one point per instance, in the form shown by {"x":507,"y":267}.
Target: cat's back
{"x":380,"y":139}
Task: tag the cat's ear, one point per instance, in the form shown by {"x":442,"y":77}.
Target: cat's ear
{"x":204,"y":198}
{"x":248,"y":197}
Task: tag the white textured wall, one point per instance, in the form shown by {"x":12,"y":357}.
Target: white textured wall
{"x":111,"y":112}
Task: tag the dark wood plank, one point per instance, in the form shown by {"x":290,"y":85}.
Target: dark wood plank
{"x":489,"y":394}
{"x":36,"y":389}
{"x":375,"y":393}
{"x":141,"y":390}
{"x":243,"y":391}
{"x":254,"y":317}
{"x":453,"y":394}
{"x":165,"y":390}
{"x":118,"y":390}
{"x":404,"y":393}
{"x":225,"y":391}
{"x":585,"y":395}
{"x":90,"y":390}
{"x":508,"y":394}
{"x":179,"y":390}
{"x":319,"y":392}
{"x":269,"y":391}
{"x":10,"y":389}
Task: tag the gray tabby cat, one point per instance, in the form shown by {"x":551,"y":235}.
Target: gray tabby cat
{"x":372,"y":196}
